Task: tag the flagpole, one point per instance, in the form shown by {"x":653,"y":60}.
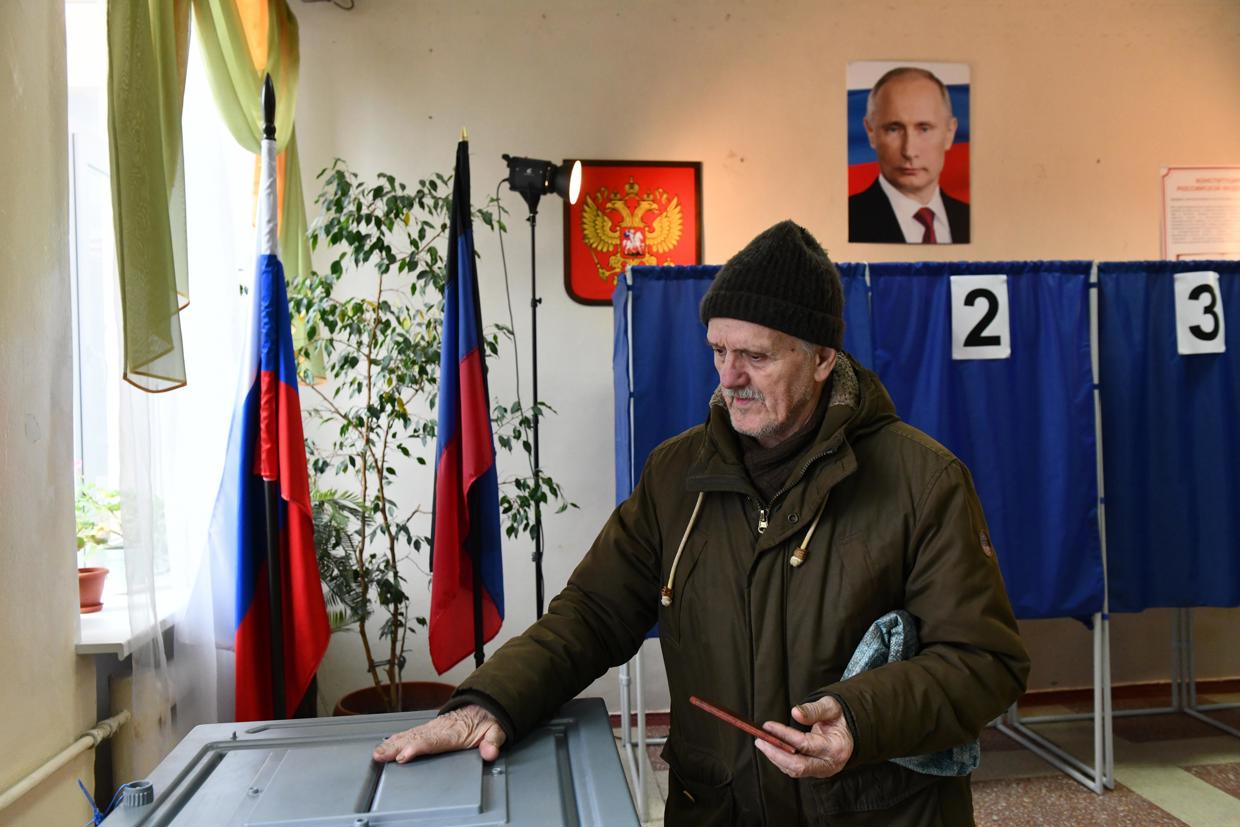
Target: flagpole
{"x":274,"y":570}
{"x":275,"y":600}
{"x":476,"y":554}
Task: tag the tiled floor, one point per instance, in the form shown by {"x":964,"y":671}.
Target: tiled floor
{"x":1170,"y":770}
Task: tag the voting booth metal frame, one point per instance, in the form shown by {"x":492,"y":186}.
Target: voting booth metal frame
{"x":1101,"y":774}
{"x":1098,"y":775}
{"x":1193,"y":402}
{"x":635,"y":749}
{"x":1184,"y":680}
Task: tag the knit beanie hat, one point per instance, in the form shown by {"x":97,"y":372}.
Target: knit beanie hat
{"x":782,"y":280}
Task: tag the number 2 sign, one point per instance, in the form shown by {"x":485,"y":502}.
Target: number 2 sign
{"x":980,"y":321}
{"x":1198,"y":314}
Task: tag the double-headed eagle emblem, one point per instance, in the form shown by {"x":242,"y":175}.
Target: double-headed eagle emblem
{"x":627,"y":228}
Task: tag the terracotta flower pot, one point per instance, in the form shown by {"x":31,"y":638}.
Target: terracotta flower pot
{"x":90,"y":588}
{"x":414,"y":695}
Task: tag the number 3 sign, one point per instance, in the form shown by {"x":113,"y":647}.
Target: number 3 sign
{"x":980,"y":323}
{"x":1198,"y":314}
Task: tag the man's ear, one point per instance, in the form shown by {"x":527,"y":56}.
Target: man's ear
{"x":951,"y":134}
{"x":869,"y":132}
{"x":824,"y":363}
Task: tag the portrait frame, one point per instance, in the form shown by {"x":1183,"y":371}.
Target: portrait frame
{"x":871,"y":222}
{"x":630,"y":213}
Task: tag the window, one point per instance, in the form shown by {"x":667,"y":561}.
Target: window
{"x":164,"y":451}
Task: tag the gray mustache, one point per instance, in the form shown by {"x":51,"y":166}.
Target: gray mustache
{"x":743,"y":393}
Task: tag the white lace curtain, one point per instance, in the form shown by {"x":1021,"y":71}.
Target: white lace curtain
{"x":172,"y":448}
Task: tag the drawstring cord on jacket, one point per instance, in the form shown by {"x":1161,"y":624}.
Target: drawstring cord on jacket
{"x":798,"y":556}
{"x":666,"y":592}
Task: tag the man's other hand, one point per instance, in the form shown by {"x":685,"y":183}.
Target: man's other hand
{"x":469,"y":726}
{"x":821,"y":752}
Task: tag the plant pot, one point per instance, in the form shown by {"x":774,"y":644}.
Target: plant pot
{"x":90,"y":588}
{"x":414,"y":695}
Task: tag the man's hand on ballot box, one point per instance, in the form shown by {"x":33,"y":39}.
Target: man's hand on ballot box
{"x":469,"y":726}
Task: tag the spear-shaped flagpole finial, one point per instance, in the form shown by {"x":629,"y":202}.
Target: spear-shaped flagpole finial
{"x":269,"y":108}
{"x":464,"y":134}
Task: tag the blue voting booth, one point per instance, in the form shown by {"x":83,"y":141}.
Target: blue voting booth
{"x":1171,"y":439}
{"x":1023,"y":424}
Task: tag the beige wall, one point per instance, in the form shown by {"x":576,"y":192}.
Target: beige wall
{"x":47,"y":692}
{"x":1075,"y":107}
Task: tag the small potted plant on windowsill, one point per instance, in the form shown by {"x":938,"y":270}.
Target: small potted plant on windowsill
{"x":98,"y":513}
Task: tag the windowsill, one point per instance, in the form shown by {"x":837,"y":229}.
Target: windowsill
{"x":108,"y":631}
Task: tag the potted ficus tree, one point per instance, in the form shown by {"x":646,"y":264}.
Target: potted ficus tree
{"x":372,"y":319}
{"x":97,"y":512}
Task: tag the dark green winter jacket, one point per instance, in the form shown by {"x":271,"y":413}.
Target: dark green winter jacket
{"x":900,"y":528}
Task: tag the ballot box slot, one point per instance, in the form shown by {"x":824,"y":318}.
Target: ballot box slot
{"x":564,"y":769}
{"x":366,"y":795}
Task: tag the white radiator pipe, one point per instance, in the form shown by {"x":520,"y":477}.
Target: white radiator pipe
{"x":87,"y":740}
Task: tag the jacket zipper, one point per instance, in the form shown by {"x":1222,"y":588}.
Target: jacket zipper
{"x":764,"y":512}
{"x":804,"y":468}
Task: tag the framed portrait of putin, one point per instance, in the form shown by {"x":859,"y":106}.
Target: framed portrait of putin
{"x":908,"y":152}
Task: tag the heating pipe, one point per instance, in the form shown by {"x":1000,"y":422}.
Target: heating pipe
{"x":87,"y":740}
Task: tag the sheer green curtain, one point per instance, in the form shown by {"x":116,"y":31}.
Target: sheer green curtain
{"x":243,"y":40}
{"x":148,"y":41}
{"x":147,"y":48}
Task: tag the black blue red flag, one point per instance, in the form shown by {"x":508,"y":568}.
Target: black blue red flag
{"x":467,"y":583}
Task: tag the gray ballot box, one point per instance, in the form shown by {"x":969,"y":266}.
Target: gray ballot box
{"x":319,"y":773}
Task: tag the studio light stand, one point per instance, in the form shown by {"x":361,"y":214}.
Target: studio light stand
{"x":533,"y":179}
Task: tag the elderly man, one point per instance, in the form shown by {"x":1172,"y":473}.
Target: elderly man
{"x":910,"y":125}
{"x":766,"y":542}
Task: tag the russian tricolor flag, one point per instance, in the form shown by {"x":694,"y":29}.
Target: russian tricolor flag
{"x":266,"y":443}
{"x":467,"y":581}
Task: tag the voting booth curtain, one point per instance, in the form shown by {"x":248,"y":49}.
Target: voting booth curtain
{"x":1019,"y":412}
{"x":1170,"y":434}
{"x":672,"y":374}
